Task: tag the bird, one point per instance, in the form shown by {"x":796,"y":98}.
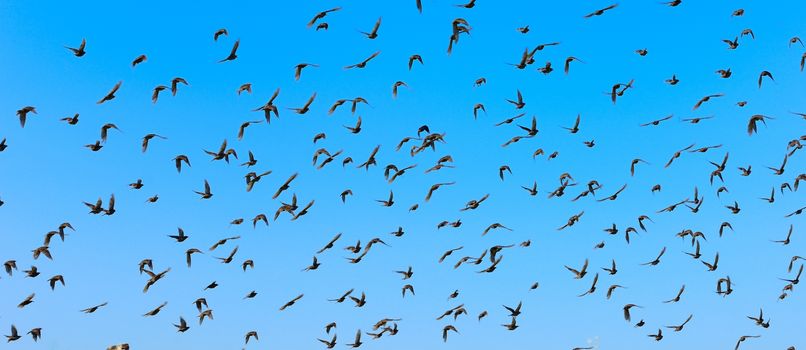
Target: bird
{"x":330,"y":344}
{"x":568,"y":61}
{"x":705,"y":99}
{"x":220,"y":32}
{"x":298,"y":69}
{"x":575,"y":128}
{"x":445,"y":331}
{"x":657,"y":121}
{"x":156,"y":310}
{"x":601,"y":11}
{"x":658,"y":336}
{"x":92,"y":309}
{"x":374,"y":32}
{"x":285,"y":186}
{"x":57,"y":278}
{"x":322,"y":15}
{"x":363,"y":63}
{"x":657,"y":260}
{"x":762,"y":75}
{"x":626,"y":310}
{"x":14,"y":336}
{"x":514,"y":311}
{"x":139,"y":59}
{"x":512,"y":325}
{"x":182,"y":326}
{"x":356,"y":343}
{"x":232,"y":54}
{"x":677,"y":297}
{"x":743,"y":338}
{"x":578,"y":274}
{"x":250,"y":334}
{"x":79,"y":52}
{"x":673,"y":80}
{"x":27,"y":301}
{"x":206,"y":313}
{"x":614,"y":196}
{"x":36,"y":333}
{"x":306,"y":107}
{"x":355,"y":129}
{"x":414,"y":58}
{"x":519,"y":102}
{"x":207,"y":194}
{"x":291,"y":302}
{"x":111,"y":94}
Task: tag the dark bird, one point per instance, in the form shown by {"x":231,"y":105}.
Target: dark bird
{"x":291,"y":302}
{"x":111,"y":94}
{"x":363,"y":63}
{"x":207,"y":194}
{"x":232,"y":54}
{"x":762,"y":75}
{"x":601,"y":12}
{"x":657,"y":260}
{"x":374,"y":33}
{"x":14,"y":336}
{"x":138,"y":60}
{"x":322,"y":15}
{"x":220,"y":32}
{"x":78,"y":52}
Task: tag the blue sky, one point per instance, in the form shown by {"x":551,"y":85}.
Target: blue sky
{"x":47,"y":173}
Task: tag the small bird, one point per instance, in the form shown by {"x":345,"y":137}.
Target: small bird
{"x":512,"y":325}
{"x":291,"y":302}
{"x":220,"y":32}
{"x":519,"y":103}
{"x":673,"y":80}
{"x":751,"y":125}
{"x":78,"y":52}
{"x":111,"y":94}
{"x":657,"y":336}
{"x":445,"y":331}
{"x":27,"y":301}
{"x":156,"y":310}
{"x":601,"y":11}
{"x":413,"y":58}
{"x":679,"y":327}
{"x":52,"y":281}
{"x":356,"y":343}
{"x":250,"y":334}
{"x":138,"y":60}
{"x":298,"y":69}
{"x":175,"y":84}
{"x":22,"y":113}
{"x":363,"y":63}
{"x":626,"y":310}
{"x":374,"y":33}
{"x":182,"y":326}
{"x":762,"y":75}
{"x":35,"y":333}
{"x":92,"y":309}
{"x":14,"y":336}
{"x":322,"y":15}
{"x":232,"y":54}
{"x":206,"y":194}
{"x":677,"y":297}
{"x":743,"y":338}
{"x":657,"y":260}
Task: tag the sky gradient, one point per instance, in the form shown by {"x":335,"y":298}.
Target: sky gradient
{"x":47,"y":173}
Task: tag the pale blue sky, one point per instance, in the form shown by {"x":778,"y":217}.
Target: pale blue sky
{"x":46,"y":173}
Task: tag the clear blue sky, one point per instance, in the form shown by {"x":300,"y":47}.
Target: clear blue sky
{"x":45,"y":173}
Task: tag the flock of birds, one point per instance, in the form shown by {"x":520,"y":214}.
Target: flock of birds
{"x":427,"y":140}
